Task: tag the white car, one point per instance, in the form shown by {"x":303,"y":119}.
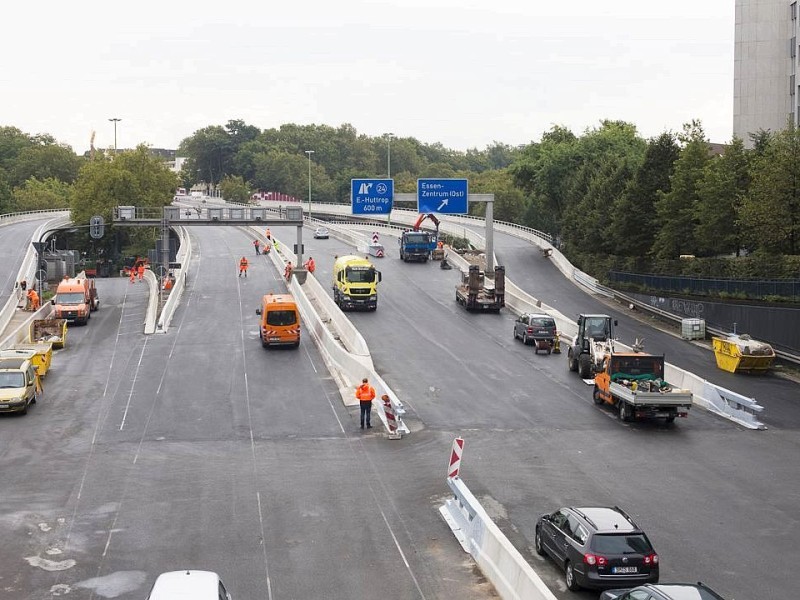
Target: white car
{"x":321,"y":233}
{"x":189,"y":585}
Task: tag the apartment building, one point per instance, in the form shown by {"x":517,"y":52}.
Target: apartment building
{"x":765,"y":87}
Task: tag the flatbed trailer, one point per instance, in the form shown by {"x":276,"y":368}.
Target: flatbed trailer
{"x":474,"y":294}
{"x":633,"y":384}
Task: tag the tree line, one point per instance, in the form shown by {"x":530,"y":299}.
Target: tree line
{"x":611,"y":198}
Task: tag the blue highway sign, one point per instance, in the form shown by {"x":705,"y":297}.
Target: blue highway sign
{"x":446,"y":196}
{"x":371,"y":196}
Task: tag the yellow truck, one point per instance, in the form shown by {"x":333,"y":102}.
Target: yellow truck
{"x":19,"y":385}
{"x":355,"y":283}
{"x":40,"y":355}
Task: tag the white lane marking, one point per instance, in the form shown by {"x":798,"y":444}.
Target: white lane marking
{"x":133,"y":384}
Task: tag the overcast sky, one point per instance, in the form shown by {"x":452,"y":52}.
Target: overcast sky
{"x":461,"y":72}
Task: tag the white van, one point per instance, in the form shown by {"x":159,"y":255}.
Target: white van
{"x":189,"y":585}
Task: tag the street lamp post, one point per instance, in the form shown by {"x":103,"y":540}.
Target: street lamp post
{"x":115,"y":120}
{"x":389,"y":137}
{"x":309,"y":152}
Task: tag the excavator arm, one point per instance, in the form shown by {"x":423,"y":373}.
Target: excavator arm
{"x":424,"y":216}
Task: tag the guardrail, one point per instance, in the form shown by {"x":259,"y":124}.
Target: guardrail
{"x":27,"y":270}
{"x":501,"y":563}
{"x":29,"y":215}
{"x":184,"y":257}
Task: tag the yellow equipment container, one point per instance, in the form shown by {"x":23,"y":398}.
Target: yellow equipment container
{"x":40,"y":355}
{"x":742,"y":354}
{"x":53,"y":331}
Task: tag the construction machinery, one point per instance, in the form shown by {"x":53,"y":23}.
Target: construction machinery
{"x":594,"y":341}
{"x":417,"y":244}
{"x":475,"y":293}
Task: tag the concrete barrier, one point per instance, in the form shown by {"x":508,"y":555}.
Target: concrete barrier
{"x":184,"y":257}
{"x":347,"y":368}
{"x":500,"y":562}
{"x":21,"y":332}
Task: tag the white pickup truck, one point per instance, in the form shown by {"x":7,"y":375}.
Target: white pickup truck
{"x":634,"y":384}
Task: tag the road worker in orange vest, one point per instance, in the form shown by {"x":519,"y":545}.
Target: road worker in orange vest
{"x":268,"y":235}
{"x":141,"y":271}
{"x":365,"y":394}
{"x":33,"y":300}
{"x":243,"y":264}
{"x":310,"y":265}
{"x":287,"y":271}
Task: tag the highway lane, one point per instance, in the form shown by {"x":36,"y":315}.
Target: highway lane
{"x":15,"y":239}
{"x":707,"y":491}
{"x":540,"y":278}
{"x":200,"y":449}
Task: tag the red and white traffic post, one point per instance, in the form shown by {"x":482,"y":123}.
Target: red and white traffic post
{"x":455,"y":457}
{"x":391,"y":418}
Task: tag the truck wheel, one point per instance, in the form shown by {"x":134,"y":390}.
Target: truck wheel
{"x":572,"y":363}
{"x":585,"y":365}
{"x":624,"y":412}
{"x":670,"y":419}
{"x":596,"y":396}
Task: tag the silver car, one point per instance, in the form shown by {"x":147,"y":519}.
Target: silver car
{"x":321,"y":233}
{"x":530,"y":327}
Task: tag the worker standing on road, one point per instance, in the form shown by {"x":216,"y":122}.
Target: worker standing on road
{"x":268,"y":235}
{"x":275,"y":243}
{"x":287,"y":271}
{"x":141,"y":271}
{"x":310,"y":265}
{"x":133,"y":274}
{"x":243,"y":264}
{"x":256,"y":244}
{"x":33,"y":300}
{"x":365,"y":394}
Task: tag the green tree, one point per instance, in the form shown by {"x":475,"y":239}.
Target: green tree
{"x":634,"y":222}
{"x":234,"y":189}
{"x":720,"y":194}
{"x":770,"y":213}
{"x":12,"y":142}
{"x":133,"y":178}
{"x":509,"y":201}
{"x":40,"y":195}
{"x":676,"y":209}
{"x":49,"y":161}
{"x":7,"y":204}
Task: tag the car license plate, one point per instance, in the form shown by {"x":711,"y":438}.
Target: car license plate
{"x":619,"y":570}
{"x":274,"y":339}
{"x":5,"y":406}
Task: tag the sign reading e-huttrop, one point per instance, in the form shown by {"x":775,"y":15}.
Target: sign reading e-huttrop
{"x":371,"y":196}
{"x":446,"y":196}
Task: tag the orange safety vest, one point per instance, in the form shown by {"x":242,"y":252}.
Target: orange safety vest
{"x":310,"y":265}
{"x":243,"y":264}
{"x":365,"y":392}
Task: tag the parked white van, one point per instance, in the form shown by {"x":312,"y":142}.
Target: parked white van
{"x":189,"y":585}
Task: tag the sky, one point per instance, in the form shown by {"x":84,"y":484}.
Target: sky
{"x":465,"y":73}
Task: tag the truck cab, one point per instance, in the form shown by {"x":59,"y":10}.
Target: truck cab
{"x":355,"y":283}
{"x":416,"y":245}
{"x":19,"y":385}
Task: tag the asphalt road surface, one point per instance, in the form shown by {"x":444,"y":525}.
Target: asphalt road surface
{"x":718,"y":501}
{"x":15,"y":239}
{"x":200,"y":449}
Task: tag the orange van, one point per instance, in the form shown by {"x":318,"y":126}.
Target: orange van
{"x":280,"y":321}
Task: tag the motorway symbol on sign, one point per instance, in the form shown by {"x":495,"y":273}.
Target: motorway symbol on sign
{"x":371,"y":196}
{"x":445,"y":196}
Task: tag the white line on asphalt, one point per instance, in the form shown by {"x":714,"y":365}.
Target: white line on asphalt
{"x":133,"y":384}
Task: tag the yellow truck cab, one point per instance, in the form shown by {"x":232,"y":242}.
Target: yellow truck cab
{"x":75,"y":299}
{"x":355,"y":283}
{"x":280,"y":320}
{"x":19,"y":385}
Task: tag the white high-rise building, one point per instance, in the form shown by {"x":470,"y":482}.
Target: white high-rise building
{"x":765,"y":86}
